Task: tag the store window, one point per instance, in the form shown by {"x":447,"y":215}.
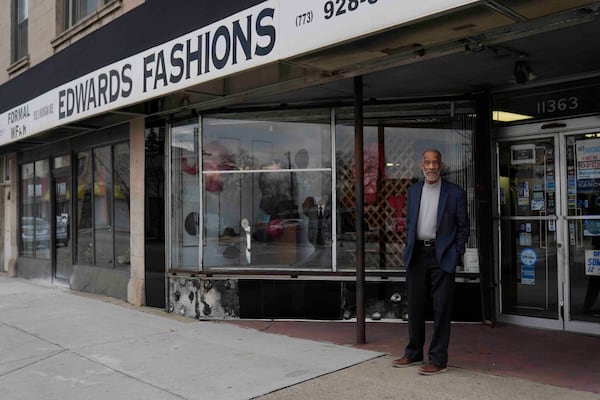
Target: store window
{"x":76,"y":10}
{"x":103,"y":228}
{"x":35,"y":210}
{"x":267,"y":190}
{"x":121,"y":196}
{"x":20,"y":29}
{"x":255,"y":191}
{"x":63,"y":245}
{"x":394,"y":141}
{"x":185,"y":196}
{"x":263,"y":177}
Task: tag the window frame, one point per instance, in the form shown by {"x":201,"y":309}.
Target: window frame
{"x":72,"y":14}
{"x":20,"y":30}
{"x":121,"y":252}
{"x":6,"y":169}
{"x":35,"y":208}
{"x":246,"y":170}
{"x":110,"y":205}
{"x":439,"y":122}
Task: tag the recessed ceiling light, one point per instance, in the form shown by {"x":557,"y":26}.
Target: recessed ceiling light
{"x":504,"y":116}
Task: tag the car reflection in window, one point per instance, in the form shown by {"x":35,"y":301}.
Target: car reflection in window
{"x":35,"y":232}
{"x":62,"y":231}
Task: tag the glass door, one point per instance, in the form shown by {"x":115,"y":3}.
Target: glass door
{"x":529,"y":230}
{"x":583,"y":221}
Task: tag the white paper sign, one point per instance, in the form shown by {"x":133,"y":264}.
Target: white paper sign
{"x":471,"y":260}
{"x":592,"y":262}
{"x":588,"y":158}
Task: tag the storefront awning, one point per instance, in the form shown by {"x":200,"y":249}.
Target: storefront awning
{"x":460,"y":47}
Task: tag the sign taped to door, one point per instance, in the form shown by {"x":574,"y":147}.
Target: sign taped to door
{"x":588,"y":158}
{"x":592,"y":262}
{"x":522,"y":154}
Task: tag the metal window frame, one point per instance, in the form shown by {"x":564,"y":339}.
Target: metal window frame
{"x":20,"y":30}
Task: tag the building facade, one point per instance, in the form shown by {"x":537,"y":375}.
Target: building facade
{"x":214,"y":161}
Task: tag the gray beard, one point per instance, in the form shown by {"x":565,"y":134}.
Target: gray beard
{"x":426,"y":177}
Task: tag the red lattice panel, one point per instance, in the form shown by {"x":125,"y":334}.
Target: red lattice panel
{"x":385,"y":204}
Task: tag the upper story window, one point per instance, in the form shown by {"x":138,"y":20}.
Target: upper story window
{"x":76,"y":10}
{"x":20,"y":21}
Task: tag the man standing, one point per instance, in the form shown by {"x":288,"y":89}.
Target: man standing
{"x":437,"y":230}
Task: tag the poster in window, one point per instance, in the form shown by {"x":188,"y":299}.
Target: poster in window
{"x":592,"y":262}
{"x":588,"y":159}
{"x":591,"y":227}
{"x":528,"y":260}
{"x":522,"y":154}
{"x":523,"y":189}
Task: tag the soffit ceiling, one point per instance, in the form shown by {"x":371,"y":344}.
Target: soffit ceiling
{"x":459,"y":54}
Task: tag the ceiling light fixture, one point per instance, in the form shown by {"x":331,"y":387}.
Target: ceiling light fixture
{"x":505,"y":116}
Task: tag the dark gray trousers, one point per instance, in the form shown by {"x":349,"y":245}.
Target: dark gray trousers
{"x":425,"y":278}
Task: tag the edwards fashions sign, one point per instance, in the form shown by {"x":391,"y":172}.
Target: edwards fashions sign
{"x":271,"y":31}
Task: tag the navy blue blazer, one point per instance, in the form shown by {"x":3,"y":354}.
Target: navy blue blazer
{"x":452,"y":224}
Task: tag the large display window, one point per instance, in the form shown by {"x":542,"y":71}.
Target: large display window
{"x":267,"y":191}
{"x":185,"y":196}
{"x":275,"y":190}
{"x":103,"y":227}
{"x":392,"y":149}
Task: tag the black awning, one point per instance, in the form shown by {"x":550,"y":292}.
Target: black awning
{"x":148,"y":25}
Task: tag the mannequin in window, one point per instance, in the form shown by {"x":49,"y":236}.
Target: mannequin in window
{"x":276,"y":203}
{"x":318,"y":213}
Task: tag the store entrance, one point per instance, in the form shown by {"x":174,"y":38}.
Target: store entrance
{"x":529,"y":232}
{"x":549,"y":231}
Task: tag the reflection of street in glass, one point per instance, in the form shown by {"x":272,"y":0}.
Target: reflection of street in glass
{"x":318,"y":232}
{"x":35,"y":232}
{"x":62,"y":231}
{"x":103,"y":253}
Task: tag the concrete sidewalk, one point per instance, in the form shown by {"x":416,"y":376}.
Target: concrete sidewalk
{"x":377,"y":380}
{"x":57,"y":344}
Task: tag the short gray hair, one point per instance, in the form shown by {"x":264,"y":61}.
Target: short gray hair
{"x":432,"y":150}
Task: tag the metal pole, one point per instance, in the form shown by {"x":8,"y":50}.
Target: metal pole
{"x":483,"y":196}
{"x":360,"y":210}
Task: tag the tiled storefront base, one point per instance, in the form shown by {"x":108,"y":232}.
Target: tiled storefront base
{"x":217,"y":298}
